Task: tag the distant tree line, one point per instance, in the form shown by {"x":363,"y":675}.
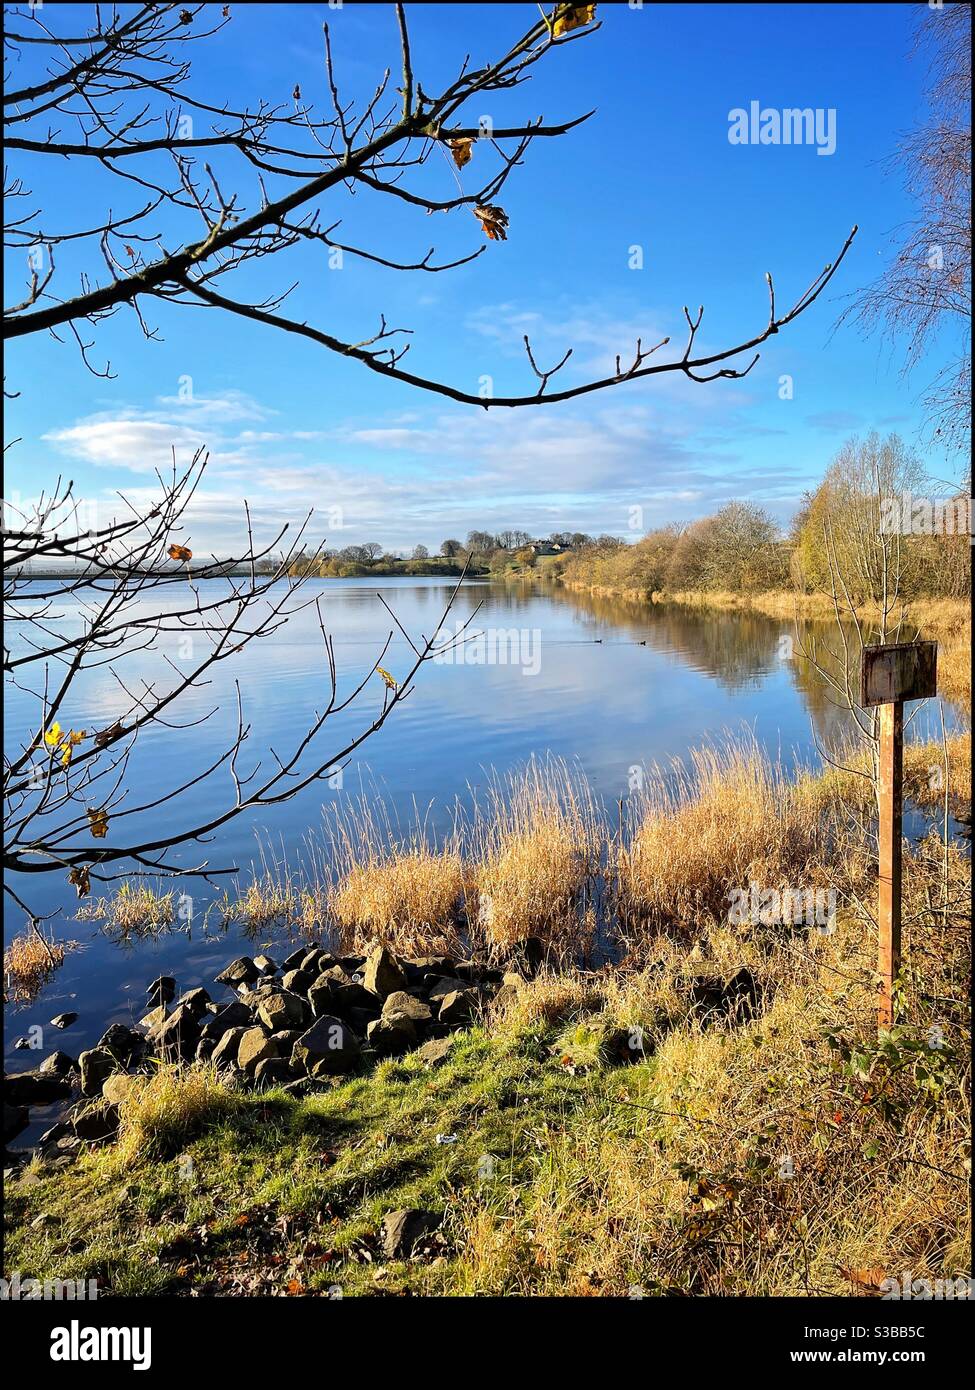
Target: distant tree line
{"x":874,"y":487}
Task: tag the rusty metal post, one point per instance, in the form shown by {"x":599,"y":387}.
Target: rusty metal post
{"x":891,"y":808}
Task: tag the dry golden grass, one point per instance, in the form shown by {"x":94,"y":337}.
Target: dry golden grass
{"x":409,"y":898}
{"x":28,"y":960}
{"x":741,"y":1160}
{"x":265,"y":901}
{"x":537,"y":846}
{"x":935,"y":616}
{"x":163,"y":1110}
{"x":137,"y":909}
{"x":955,"y":667}
{"x":703,"y":831}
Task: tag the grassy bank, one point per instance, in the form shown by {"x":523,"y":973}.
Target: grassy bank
{"x":933,"y":615}
{"x":641,"y":1125}
{"x":946,"y":619}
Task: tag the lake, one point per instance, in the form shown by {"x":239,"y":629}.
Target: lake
{"x":609,"y":685}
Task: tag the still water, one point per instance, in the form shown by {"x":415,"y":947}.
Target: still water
{"x":608,"y":685}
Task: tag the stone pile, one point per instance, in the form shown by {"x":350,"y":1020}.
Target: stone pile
{"x":306,"y":1022}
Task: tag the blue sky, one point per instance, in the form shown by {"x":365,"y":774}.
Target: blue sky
{"x":289,"y":426}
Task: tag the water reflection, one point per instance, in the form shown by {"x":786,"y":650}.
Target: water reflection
{"x":617,"y":685}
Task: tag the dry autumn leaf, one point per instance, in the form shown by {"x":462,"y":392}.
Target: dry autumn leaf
{"x":461,"y":147}
{"x":98,"y":823}
{"x":52,"y":736}
{"x":388,"y":679}
{"x":871,"y":1278}
{"x":573,"y":17}
{"x":79,"y":878}
{"x":106,"y":736}
{"x":493,"y":219}
{"x":180,"y":552}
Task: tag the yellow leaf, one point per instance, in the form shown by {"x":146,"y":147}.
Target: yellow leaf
{"x":493,"y":219}
{"x":53,"y":736}
{"x":71,"y":741}
{"x":81,"y":881}
{"x":98,"y":823}
{"x":390,"y":682}
{"x":180,"y":552}
{"x":573,"y":17}
{"x":461,"y":148}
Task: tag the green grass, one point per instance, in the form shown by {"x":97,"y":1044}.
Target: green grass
{"x":325,"y":1170}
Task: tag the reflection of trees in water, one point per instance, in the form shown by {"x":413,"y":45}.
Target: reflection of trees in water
{"x":736,"y":648}
{"x":833,"y":723}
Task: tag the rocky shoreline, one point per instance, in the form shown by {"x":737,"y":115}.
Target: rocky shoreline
{"x":304,"y":1024}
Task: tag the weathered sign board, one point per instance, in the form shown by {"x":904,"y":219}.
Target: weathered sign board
{"x":892,"y":673}
{"x":899,"y":671}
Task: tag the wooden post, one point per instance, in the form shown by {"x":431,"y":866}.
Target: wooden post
{"x":891,"y":808}
{"x":893,"y":672}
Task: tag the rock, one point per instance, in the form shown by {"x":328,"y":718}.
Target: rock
{"x":63,"y":1020}
{"x":205,"y":1049}
{"x":60,"y":1130}
{"x":22,"y":1045}
{"x":435,"y":1052}
{"x":255,"y":1046}
{"x":123,"y":1042}
{"x":317,"y":960}
{"x":224,"y":1055}
{"x":336,"y":990}
{"x":286,"y":1039}
{"x":154,"y":1019}
{"x":426,"y":968}
{"x":97,"y":1064}
{"x":162,"y":990}
{"x":196,"y":1000}
{"x":96,"y":1123}
{"x":119,"y":1086}
{"x":401,"y":1004}
{"x":233,"y":1015}
{"x":176,"y":1040}
{"x":381,"y":973}
{"x":296,"y":959}
{"x":282,"y":1009}
{"x":328,"y":1046}
{"x":402,"y":1230}
{"x":58,"y":1064}
{"x":15,"y":1120}
{"x":241,"y":971}
{"x":35,"y":1088}
{"x":457,"y":1007}
{"x":273,"y":1071}
{"x":511,"y":986}
{"x":360,"y":1019}
{"x":265,"y":965}
{"x":298,"y":981}
{"x":391,"y":1036}
{"x":442,"y":987}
